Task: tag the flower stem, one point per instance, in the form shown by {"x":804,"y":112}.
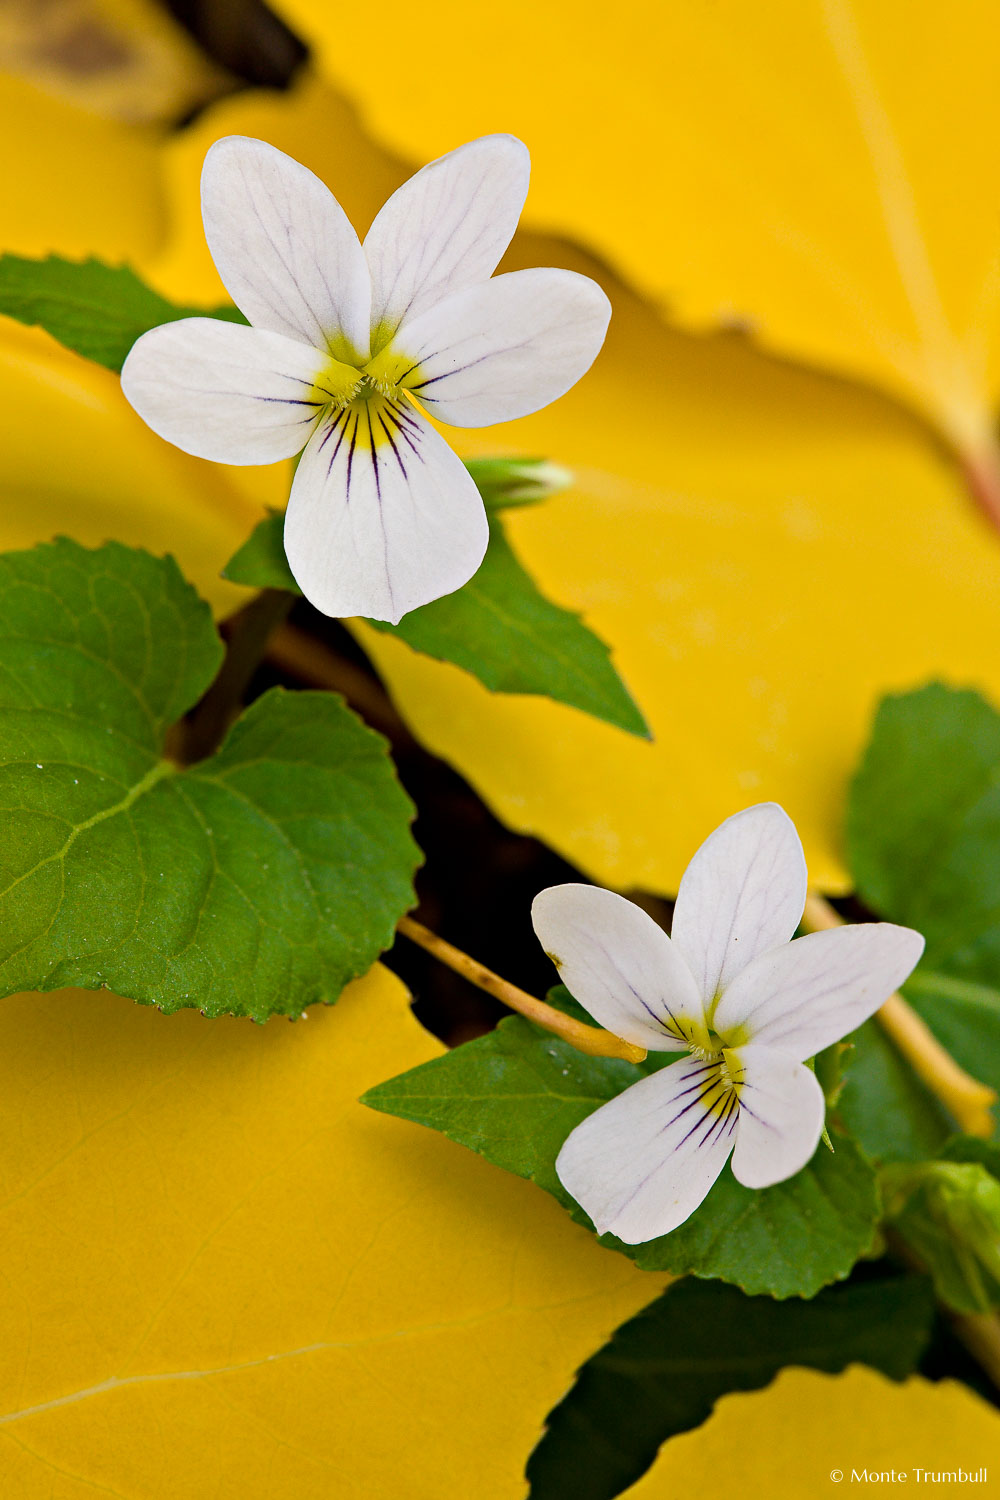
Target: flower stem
{"x":980,"y":1333}
{"x":589,"y":1039}
{"x":247,"y":636}
{"x":962,"y":1095}
{"x":980,"y":466}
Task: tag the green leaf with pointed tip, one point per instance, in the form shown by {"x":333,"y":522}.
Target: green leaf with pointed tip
{"x":497,"y":626}
{"x":514,"y":1096}
{"x":94,"y":309}
{"x":662,"y":1372}
{"x":255,"y":882}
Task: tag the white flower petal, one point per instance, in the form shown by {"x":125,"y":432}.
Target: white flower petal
{"x":781,"y":1115}
{"x":383,"y":516}
{"x":506,"y":348}
{"x":620,"y":965}
{"x":742,"y":894}
{"x":223,"y":391}
{"x":807,"y":994}
{"x":641,"y":1164}
{"x":284,"y":247}
{"x":445,"y":229}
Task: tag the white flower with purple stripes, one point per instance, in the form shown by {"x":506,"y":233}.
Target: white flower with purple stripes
{"x":350,"y":345}
{"x":728,"y":988}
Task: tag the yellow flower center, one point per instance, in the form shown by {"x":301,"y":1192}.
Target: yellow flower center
{"x":382,"y":379}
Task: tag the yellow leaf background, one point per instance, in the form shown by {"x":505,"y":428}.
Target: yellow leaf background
{"x":792,"y":1437}
{"x":767,"y":549}
{"x":223,"y":1276}
{"x":823,"y":168}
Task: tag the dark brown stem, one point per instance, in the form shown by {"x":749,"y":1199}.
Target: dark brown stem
{"x":202,"y":732}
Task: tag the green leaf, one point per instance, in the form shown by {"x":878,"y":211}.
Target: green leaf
{"x":964,"y":1016}
{"x":969,"y":1148}
{"x":261,"y":562}
{"x":923,"y":832}
{"x":948,"y":1215}
{"x":923,"y":826}
{"x":95,"y":309}
{"x":258,"y":881}
{"x":498,"y":627}
{"x":514,"y":1096}
{"x":885,"y":1106}
{"x":662,"y":1372}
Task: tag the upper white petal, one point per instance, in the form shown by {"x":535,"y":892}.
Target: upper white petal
{"x":807,"y":994}
{"x":284,"y":247}
{"x":383,"y":516}
{"x":742,"y":893}
{"x":618,"y":963}
{"x":224,"y":391}
{"x":781,"y":1116}
{"x":503,"y":349}
{"x":446,"y":228}
{"x":641,"y":1164}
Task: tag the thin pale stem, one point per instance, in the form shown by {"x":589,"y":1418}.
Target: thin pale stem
{"x":968,"y":1100}
{"x":589,"y":1039}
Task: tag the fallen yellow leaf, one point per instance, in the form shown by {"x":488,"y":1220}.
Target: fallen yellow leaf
{"x":75,"y":183}
{"x":223,"y":1276}
{"x":124,"y":59}
{"x":76,"y":459}
{"x":823,"y":168}
{"x":78,"y":462}
{"x":809,"y":1433}
{"x":767,"y":550}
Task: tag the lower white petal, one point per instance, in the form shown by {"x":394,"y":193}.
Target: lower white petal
{"x":641,"y":1164}
{"x":504,"y":349}
{"x":780,"y":1118}
{"x":620,"y":965}
{"x":811,"y":992}
{"x":383,"y":516}
{"x":223,"y":391}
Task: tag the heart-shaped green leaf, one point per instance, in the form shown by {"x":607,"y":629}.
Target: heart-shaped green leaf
{"x":255,"y":882}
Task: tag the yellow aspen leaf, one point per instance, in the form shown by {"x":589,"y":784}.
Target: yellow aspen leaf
{"x":822,"y":168}
{"x":78,"y":462}
{"x":809,"y":1433}
{"x":224,"y":1275}
{"x":124,"y":59}
{"x":73,"y":182}
{"x":767,"y":551}
{"x":311,"y":122}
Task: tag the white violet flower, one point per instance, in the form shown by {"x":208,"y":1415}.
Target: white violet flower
{"x":728,"y":988}
{"x":346,"y":339}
